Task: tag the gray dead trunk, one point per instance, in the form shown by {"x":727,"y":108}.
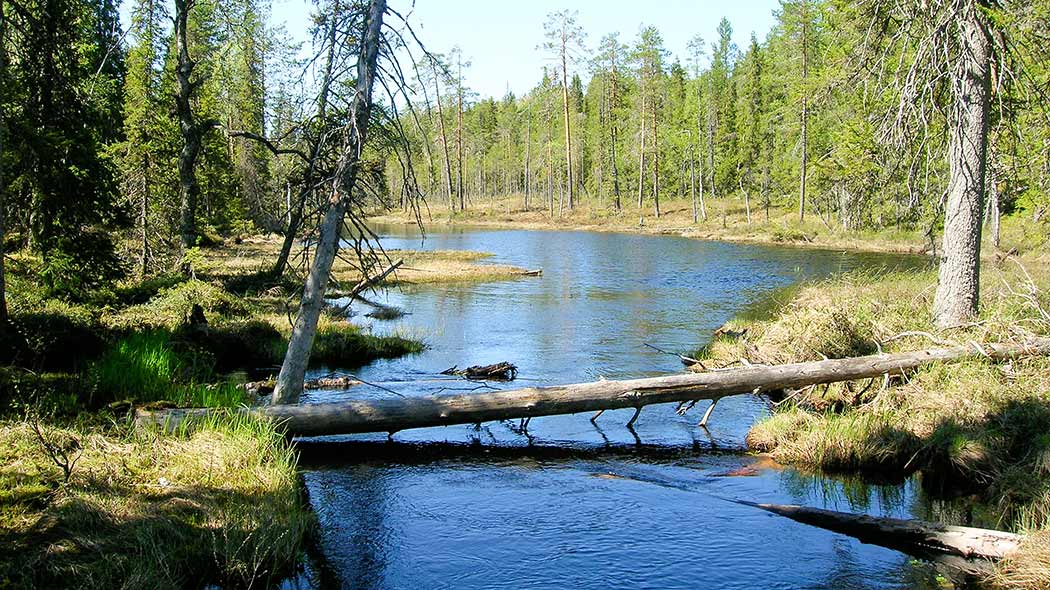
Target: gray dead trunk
{"x":959,"y":278}
{"x":293,"y":370}
{"x":395,"y":414}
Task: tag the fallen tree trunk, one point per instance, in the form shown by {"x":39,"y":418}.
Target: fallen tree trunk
{"x":902,"y":534}
{"x":392,"y":415}
{"x":368,"y":282}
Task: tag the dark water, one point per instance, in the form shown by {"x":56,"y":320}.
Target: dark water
{"x":571,"y":505}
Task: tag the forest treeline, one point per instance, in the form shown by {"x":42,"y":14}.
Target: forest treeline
{"x":808,"y":117}
{"x":93,"y":130}
{"x":123,"y":150}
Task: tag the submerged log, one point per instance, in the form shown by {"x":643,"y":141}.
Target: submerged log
{"x":392,"y":415}
{"x":914,"y":536}
{"x":499,"y":372}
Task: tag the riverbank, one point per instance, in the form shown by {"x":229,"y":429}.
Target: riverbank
{"x":975,"y":428}
{"x":727,"y":220}
{"x":86,"y":501}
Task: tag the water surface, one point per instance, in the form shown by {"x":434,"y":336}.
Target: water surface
{"x":568,"y":503}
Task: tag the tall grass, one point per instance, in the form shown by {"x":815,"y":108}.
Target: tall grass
{"x":147,"y":367}
{"x":217,"y":506}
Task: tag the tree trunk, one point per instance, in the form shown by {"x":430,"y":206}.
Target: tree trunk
{"x":641,"y":157}
{"x":444,"y":138}
{"x":959,"y":276}
{"x":3,"y":186}
{"x":459,"y":136}
{"x":550,"y":162}
{"x":192,"y":132}
{"x":692,"y":184}
{"x":290,"y":380}
{"x":394,"y":414}
{"x":805,"y":116}
{"x":907,"y":535}
{"x":568,"y":127}
{"x":656,"y":164}
{"x":528,"y":157}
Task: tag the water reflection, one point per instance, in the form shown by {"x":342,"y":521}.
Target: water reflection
{"x":570,"y":503}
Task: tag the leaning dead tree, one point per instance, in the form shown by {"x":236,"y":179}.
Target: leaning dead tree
{"x":290,"y":379}
{"x":395,"y":414}
{"x":370,"y":131}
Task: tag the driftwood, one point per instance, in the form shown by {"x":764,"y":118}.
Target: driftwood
{"x":498,"y":372}
{"x":968,"y":549}
{"x":392,"y":415}
{"x":532,"y":273}
{"x":267,"y":386}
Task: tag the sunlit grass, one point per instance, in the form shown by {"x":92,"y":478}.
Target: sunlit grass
{"x":143,"y":509}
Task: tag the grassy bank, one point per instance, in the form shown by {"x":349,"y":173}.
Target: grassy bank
{"x":975,"y":427}
{"x":254,"y":256}
{"x":87,"y":502}
{"x":727,"y":219}
{"x":101,"y":506}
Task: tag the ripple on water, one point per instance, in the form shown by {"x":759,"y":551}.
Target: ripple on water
{"x":583,"y":507}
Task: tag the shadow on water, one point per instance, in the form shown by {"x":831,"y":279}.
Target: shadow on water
{"x":568,"y":503}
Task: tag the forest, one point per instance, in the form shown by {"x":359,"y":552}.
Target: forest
{"x":214,"y":232}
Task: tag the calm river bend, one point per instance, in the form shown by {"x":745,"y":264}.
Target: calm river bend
{"x":572,"y":505}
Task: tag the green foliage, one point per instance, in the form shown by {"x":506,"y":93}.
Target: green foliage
{"x":339,"y":344}
{"x":152,"y":366}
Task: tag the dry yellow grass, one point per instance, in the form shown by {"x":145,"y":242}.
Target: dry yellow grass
{"x":726,"y":220}
{"x":148,"y":510}
{"x":435,"y":266}
{"x":1029,"y":567}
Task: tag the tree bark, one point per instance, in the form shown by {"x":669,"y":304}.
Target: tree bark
{"x":3,"y":186}
{"x":641,"y":157}
{"x":528,"y":157}
{"x":897,"y":533}
{"x":394,"y":414}
{"x":656,"y":164}
{"x":459,"y":136}
{"x":192,"y":131}
{"x":444,"y":137}
{"x":290,"y":380}
{"x":805,"y":116}
{"x":956,"y":299}
{"x":565,"y":113}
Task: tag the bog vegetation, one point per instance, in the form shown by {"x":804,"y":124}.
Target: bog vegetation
{"x":138,"y":164}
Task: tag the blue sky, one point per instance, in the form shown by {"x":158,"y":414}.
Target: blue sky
{"x":500,"y":37}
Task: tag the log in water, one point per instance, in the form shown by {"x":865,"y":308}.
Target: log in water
{"x":392,"y":415}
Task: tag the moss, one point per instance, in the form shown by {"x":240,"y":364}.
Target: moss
{"x":172,"y":305}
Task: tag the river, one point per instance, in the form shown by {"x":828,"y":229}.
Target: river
{"x":570,"y":504}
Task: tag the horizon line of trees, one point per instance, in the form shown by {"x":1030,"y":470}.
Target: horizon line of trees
{"x":803,"y":118}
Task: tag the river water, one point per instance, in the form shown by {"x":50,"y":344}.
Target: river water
{"x":569,"y":504}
